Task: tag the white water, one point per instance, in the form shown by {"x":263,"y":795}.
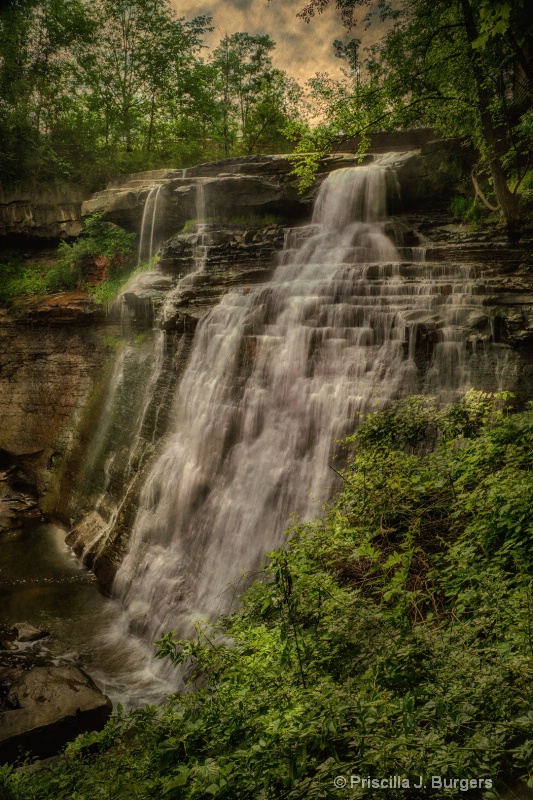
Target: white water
{"x":201,"y":248}
{"x":277,"y":374}
{"x":148,"y":224}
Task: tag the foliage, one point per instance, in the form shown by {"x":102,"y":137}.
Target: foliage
{"x":22,"y":278}
{"x":92,"y":88}
{"x":466,"y":210}
{"x":106,"y":292}
{"x":256,"y":101}
{"x":392,"y":637}
{"x":98,"y":239}
{"x":462,"y":67}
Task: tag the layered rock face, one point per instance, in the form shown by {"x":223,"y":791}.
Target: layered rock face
{"x":52,"y":352}
{"x":258,"y":185}
{"x":47,"y":213}
{"x":458,"y":269}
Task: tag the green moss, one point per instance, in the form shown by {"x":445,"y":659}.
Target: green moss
{"x":112,"y":342}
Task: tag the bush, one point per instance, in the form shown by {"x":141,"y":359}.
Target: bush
{"x":465,"y":210}
{"x":392,"y":637}
{"x":99,"y":238}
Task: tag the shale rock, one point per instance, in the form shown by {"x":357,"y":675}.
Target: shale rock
{"x":197,"y":268}
{"x":235,"y":187}
{"x":50,"y":706}
{"x":47,"y":212}
{"x":259,"y":185}
{"x":49,"y":363}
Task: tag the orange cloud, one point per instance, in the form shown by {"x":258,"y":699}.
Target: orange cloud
{"x":302,"y":49}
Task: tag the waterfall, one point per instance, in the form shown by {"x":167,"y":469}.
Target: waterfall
{"x":277,"y":374}
{"x":200,"y":249}
{"x":148,"y":223}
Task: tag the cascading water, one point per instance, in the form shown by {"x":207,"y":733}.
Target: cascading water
{"x":277,"y":374}
{"x":200,"y":249}
{"x":148,"y":223}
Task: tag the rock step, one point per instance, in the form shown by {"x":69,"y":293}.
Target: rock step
{"x":48,"y":707}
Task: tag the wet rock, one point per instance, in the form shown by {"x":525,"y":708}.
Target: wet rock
{"x":48,"y":707}
{"x":8,"y":645}
{"x":235,"y":187}
{"x":29,"y":633}
{"x":18,"y":493}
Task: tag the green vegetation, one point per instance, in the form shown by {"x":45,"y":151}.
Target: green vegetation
{"x":21,"y":277}
{"x":93,"y":88}
{"x":392,"y":637}
{"x":253,"y":220}
{"x":112,"y":342}
{"x":462,"y":66}
{"x":65,"y":271}
{"x":466,"y":210}
{"x":99,"y":240}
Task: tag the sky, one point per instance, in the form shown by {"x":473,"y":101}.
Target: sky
{"x":302,"y":49}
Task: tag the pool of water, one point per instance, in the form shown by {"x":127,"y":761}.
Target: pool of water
{"x":44,"y":584}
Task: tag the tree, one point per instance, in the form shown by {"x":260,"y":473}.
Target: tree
{"x":244,"y":69}
{"x":144,"y":59}
{"x":256,"y":101}
{"x":455,"y":65}
{"x":36,"y":41}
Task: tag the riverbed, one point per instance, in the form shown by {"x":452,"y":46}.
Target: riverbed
{"x":44,"y":584}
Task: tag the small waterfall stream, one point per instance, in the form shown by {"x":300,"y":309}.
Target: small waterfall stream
{"x":200,"y":249}
{"x":148,"y":224}
{"x":277,"y":374}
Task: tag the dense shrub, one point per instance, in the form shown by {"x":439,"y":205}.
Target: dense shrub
{"x":391,"y":637}
{"x":466,"y":210}
{"x":99,"y":239}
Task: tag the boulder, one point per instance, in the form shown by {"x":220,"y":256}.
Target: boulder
{"x":48,"y":707}
{"x":29,"y":633}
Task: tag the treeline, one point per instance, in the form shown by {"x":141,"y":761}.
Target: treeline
{"x":464,"y":67}
{"x":91,"y":88}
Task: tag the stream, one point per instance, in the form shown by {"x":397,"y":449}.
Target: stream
{"x":49,"y":588}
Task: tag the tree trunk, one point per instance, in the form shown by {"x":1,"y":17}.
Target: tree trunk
{"x":507,"y":201}
{"x":150,"y":126}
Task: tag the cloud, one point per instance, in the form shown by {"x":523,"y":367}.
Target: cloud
{"x":302,"y":49}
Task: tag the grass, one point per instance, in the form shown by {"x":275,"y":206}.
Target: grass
{"x":22,"y":277}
